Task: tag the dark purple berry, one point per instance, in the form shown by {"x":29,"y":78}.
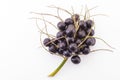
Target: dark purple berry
{"x":60,"y":34}
{"x":77,"y":51}
{"x":81,"y":34}
{"x":62,"y":45}
{"x":94,"y":41}
{"x":78,"y":41}
{"x":73,"y":47}
{"x":61,"y":26}
{"x":89,"y":23}
{"x":90,"y":41}
{"x":67,"y":53}
{"x":46,"y":41}
{"x":75,"y":59}
{"x":68,"y":21}
{"x":60,"y":51}
{"x":53,"y":48}
{"x":86,"y":51}
{"x":82,"y":25}
{"x":70,"y":31}
{"x":70,"y":40}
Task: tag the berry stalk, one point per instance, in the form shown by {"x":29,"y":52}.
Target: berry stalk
{"x":58,"y":68}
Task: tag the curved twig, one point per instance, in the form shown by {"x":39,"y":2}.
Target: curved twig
{"x":61,"y":9}
{"x":43,"y":31}
{"x":48,"y":15}
{"x":101,"y":50}
{"x":99,"y":15}
{"x":45,"y":21}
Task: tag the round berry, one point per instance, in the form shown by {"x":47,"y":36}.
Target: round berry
{"x":70,"y":31}
{"x":82,"y":25}
{"x":81,"y":34}
{"x":86,"y":51}
{"x":60,"y":34}
{"x":75,"y":59}
{"x":77,"y":51}
{"x":90,"y":41}
{"x":60,"y":51}
{"x":46,"y":42}
{"x":61,"y":26}
{"x":89,"y":23}
{"x":67,"y":53}
{"x":73,"y":47}
{"x":62,"y":45}
{"x":68,"y":21}
{"x":70,"y":40}
{"x":93,"y":41}
{"x":78,"y":41}
{"x":53,"y":48}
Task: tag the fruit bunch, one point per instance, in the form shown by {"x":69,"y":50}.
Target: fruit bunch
{"x":74,"y":38}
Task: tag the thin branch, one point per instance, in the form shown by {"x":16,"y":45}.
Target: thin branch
{"x":55,"y":39}
{"x":99,"y":15}
{"x":101,"y":50}
{"x":72,"y":9}
{"x":45,"y":25}
{"x":43,"y":31}
{"x":45,"y":21}
{"x":91,"y":9}
{"x":61,"y":9}
{"x":48,"y":15}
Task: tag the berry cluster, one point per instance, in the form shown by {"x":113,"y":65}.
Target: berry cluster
{"x":72,"y":38}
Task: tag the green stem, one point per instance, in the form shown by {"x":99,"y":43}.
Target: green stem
{"x":58,"y":68}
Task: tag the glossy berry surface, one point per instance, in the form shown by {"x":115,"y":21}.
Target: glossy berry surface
{"x":69,"y":21}
{"x":62,"y":45}
{"x":70,"y":31}
{"x":70,"y":40}
{"x":73,"y":47}
{"x":89,"y":23}
{"x":90,"y":41}
{"x":61,"y":26}
{"x":86,"y":51}
{"x":53,"y":49}
{"x":60,"y":34}
{"x":67,"y":53}
{"x":46,"y":41}
{"x":60,"y":51}
{"x":81,"y":34}
{"x":83,"y":25}
{"x":78,"y":41}
{"x":75,"y":59}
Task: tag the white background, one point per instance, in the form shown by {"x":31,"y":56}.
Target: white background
{"x":21,"y":57}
